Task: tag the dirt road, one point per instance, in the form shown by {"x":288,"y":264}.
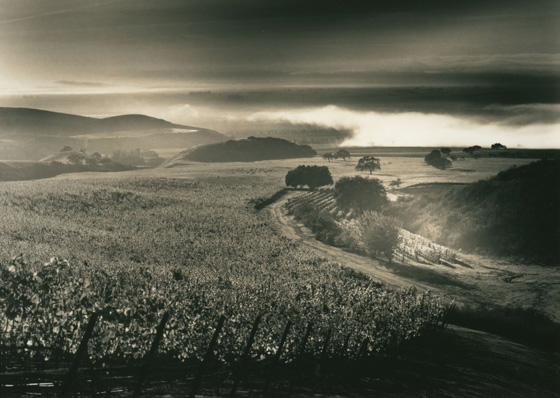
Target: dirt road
{"x":477,"y":280}
{"x":286,"y":225}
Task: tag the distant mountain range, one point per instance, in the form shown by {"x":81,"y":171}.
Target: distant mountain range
{"x":32,"y":134}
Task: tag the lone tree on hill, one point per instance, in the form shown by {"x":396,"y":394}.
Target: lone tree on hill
{"x":498,"y":146}
{"x":358,"y":193}
{"x":435,"y":159}
{"x":446,"y":151}
{"x":342,"y":153}
{"x":312,"y":176}
{"x":368,"y":163}
{"x":328,"y":156}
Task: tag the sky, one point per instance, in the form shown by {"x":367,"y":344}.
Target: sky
{"x":454,"y":71}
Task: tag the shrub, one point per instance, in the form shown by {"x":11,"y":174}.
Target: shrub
{"x":360,"y":193}
{"x":321,"y":224}
{"x":379,"y":234}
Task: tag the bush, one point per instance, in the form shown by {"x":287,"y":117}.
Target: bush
{"x":379,"y":234}
{"x":312,"y":176}
{"x":321,"y":224}
{"x":360,"y":193}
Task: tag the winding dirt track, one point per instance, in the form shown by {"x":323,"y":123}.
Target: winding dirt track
{"x":286,"y":225}
{"x":475,"y":280}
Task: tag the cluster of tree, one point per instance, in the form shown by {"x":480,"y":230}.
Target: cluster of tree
{"x":360,"y":194}
{"x":436,"y":159}
{"x":377,"y":234}
{"x":137,"y":157}
{"x":81,"y":158}
{"x":19,"y":171}
{"x":368,"y":163}
{"x":498,"y":146}
{"x":311,"y":176}
{"x":340,"y":154}
{"x":472,"y":149}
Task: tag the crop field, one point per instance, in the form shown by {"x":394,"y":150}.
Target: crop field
{"x":132,"y":248}
{"x":188,"y":240}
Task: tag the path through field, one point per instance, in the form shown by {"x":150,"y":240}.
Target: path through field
{"x":461,"y":362}
{"x":474,"y":280}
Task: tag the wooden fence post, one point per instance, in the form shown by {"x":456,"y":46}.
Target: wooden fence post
{"x":345,"y":346}
{"x":323,"y":353}
{"x":276,"y":359}
{"x":245,"y":357}
{"x":82,"y":349}
{"x":207,"y":357}
{"x":150,"y":356}
{"x":363,"y":349}
{"x":304,"y":341}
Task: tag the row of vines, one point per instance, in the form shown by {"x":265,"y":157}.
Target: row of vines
{"x":133,"y":249}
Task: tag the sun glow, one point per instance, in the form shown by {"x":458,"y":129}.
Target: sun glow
{"x":417,"y":129}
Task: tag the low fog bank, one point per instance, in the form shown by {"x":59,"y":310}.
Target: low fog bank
{"x":420,"y":129}
{"x":382,"y":116}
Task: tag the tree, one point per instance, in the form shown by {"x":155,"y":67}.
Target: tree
{"x":368,"y":163}
{"x":435,"y":159}
{"x":66,"y":148}
{"x":97,"y":156}
{"x":75,"y":159}
{"x":312,"y":176}
{"x":360,"y":193}
{"x":472,"y":149}
{"x":91,"y":161}
{"x":328,"y":156}
{"x":498,"y":146}
{"x":446,"y":151}
{"x":379,"y":234}
{"x":342,"y":153}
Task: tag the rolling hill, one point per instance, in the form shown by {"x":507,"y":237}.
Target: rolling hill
{"x":31,"y":134}
{"x":248,"y":150}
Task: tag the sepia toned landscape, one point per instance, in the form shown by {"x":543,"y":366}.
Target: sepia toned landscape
{"x":309,"y":207}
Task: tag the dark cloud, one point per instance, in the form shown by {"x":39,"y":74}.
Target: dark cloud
{"x":489,"y":60}
{"x":80,"y":84}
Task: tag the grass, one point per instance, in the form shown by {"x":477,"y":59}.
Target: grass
{"x":524,"y":325}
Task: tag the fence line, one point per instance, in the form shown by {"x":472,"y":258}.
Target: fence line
{"x":65,"y":378}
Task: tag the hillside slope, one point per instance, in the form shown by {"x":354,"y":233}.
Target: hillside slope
{"x":248,"y":150}
{"x":517,"y":212}
{"x":31,"y":134}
